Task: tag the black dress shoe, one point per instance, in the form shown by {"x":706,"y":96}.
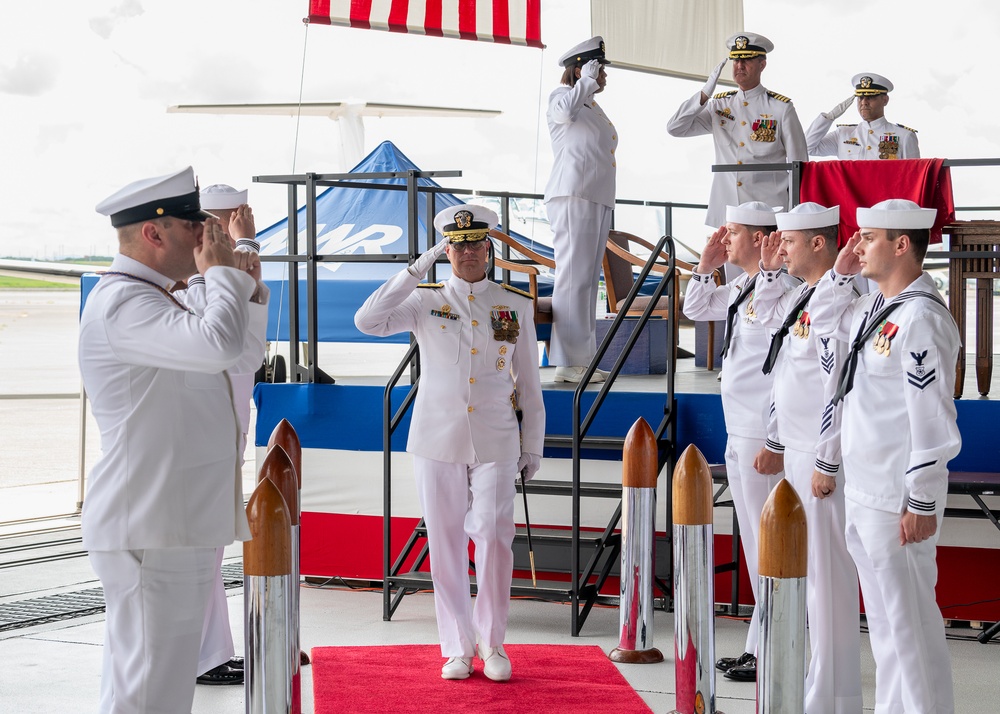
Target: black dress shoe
{"x":223,"y":674}
{"x":235,"y":662}
{"x":724,"y":664}
{"x":745,"y":672}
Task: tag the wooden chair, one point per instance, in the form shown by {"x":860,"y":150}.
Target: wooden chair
{"x":543,"y":305}
{"x":619,"y":278}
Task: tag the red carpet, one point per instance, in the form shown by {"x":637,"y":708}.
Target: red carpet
{"x":554,"y":679}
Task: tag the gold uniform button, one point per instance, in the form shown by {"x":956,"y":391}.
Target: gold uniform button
{"x":614,"y":164}
{"x":442,"y":327}
{"x":739,"y":162}
{"x":475,"y":323}
{"x":741,"y":143}
{"x":739,"y":183}
{"x":869,"y":148}
{"x":472,"y":298}
{"x":871,"y":131}
{"x":475,"y":351}
{"x":743,"y":123}
{"x":470,"y":409}
{"x":613,"y":138}
{"x":746,"y":104}
{"x":472,"y":380}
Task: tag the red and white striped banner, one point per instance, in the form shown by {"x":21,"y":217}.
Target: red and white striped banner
{"x":514,"y":22}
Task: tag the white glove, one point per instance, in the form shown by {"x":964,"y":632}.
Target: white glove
{"x":840,"y":108}
{"x":422,"y":264}
{"x":591,"y":70}
{"x":713,"y":78}
{"x":528,"y":464}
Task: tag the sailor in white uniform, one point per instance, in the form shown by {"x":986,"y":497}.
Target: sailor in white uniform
{"x":899,"y":432}
{"x":805,"y":369}
{"x":874,"y":138}
{"x":479,"y":357}
{"x":167,"y":490}
{"x":751,"y":126}
{"x":746,"y":391}
{"x":218,"y":663}
{"x":579,"y":199}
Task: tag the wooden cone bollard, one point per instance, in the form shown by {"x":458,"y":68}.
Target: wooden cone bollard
{"x":285,"y":436}
{"x":267,"y":568}
{"x":640,"y":465}
{"x":781,"y":648}
{"x":278,"y":469}
{"x":694,"y":585}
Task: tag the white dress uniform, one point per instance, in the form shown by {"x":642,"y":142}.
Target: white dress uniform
{"x":464,"y":436}
{"x":899,"y":432}
{"x":867,"y":141}
{"x":217,"y":638}
{"x":579,"y":199}
{"x":753,"y":127}
{"x":167,"y":490}
{"x":805,"y":377}
{"x":746,"y":393}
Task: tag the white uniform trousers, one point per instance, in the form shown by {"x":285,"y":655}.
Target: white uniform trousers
{"x":216,"y":636}
{"x":912,"y":664}
{"x":459,"y":502}
{"x":833,"y":684}
{"x":749,"y":490}
{"x":155,"y":602}
{"x":579,"y":234}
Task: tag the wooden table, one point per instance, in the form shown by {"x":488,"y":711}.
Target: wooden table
{"x":980,"y":236}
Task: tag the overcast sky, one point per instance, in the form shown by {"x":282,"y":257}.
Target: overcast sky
{"x":84,"y":87}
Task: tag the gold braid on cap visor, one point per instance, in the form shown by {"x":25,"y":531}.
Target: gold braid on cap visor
{"x":468,"y":235}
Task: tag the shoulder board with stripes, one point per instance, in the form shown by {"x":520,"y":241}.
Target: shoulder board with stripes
{"x":846,"y":124}
{"x":723,"y":95}
{"x":779,"y":97}
{"x":430,"y":285}
{"x":907,"y":128}
{"x":512,"y":289}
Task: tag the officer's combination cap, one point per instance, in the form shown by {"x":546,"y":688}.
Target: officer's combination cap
{"x":592,"y":49}
{"x":869,"y":84}
{"x":174,"y":195}
{"x":808,"y":216}
{"x":745,"y":45}
{"x":896,"y":214}
{"x":465,"y":223}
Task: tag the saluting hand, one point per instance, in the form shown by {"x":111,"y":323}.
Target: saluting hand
{"x":590,"y":70}
{"x":422,"y":264}
{"x":848,"y":262}
{"x":248,"y":262}
{"x":241,"y":223}
{"x":215,"y":248}
{"x":840,"y":108}
{"x":769,"y":248}
{"x":714,"y":254}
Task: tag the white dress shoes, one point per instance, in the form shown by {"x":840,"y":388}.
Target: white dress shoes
{"x":575,"y":374}
{"x":496,"y":666}
{"x":459,"y":668}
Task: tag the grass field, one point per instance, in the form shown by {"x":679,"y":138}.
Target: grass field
{"x":7,"y":281}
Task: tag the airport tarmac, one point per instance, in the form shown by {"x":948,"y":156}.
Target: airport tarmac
{"x":54,"y":665}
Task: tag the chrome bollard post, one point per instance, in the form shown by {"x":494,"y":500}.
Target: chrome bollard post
{"x":266,"y":573}
{"x":694,"y":585}
{"x":639,"y":469}
{"x":781,"y":649}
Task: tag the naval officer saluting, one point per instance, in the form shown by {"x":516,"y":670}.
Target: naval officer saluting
{"x":479,"y":356}
{"x":749,"y":126}
{"x":167,"y":490}
{"x":874,"y":138}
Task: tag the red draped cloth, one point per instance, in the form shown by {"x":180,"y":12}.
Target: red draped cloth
{"x":862,"y":184}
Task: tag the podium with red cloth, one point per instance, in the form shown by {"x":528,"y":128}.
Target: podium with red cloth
{"x":862,"y":184}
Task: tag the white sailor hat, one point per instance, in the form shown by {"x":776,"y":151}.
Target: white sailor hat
{"x":175,"y":195}
{"x":868,"y":84}
{"x":744,"y":45}
{"x":592,"y":49}
{"x":220,"y":197}
{"x":896,"y":213}
{"x":751,"y":213}
{"x":807,"y":216}
{"x":465,"y":223}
